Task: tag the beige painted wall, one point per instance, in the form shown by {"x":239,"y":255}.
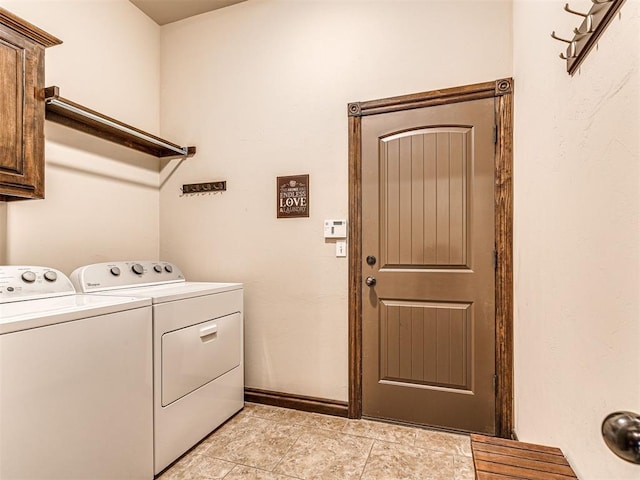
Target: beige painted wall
{"x":3,"y":233}
{"x":262,"y":88}
{"x":102,"y":200}
{"x":577,"y":235}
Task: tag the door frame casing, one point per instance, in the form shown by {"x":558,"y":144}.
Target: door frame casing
{"x":502,"y":91}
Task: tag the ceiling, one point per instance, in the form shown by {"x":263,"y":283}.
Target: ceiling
{"x":167,"y":11}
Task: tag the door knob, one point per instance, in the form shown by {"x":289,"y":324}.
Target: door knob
{"x":621,"y":433}
{"x":371,"y":260}
{"x":370,"y":281}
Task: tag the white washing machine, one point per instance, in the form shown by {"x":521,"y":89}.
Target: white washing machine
{"x":198,"y":358}
{"x":75,"y":380}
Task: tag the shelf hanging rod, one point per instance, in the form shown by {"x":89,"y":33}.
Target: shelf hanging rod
{"x":57,"y":102}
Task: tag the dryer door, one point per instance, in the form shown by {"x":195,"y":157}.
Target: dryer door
{"x":197,"y":354}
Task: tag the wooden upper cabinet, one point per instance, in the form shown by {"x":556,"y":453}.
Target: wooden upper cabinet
{"x":22,"y":108}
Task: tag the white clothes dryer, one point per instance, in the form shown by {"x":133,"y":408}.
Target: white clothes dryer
{"x":198,"y":358}
{"x":75,"y":380}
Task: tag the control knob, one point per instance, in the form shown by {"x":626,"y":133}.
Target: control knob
{"x":168,"y":268}
{"x":115,"y":271}
{"x":50,"y":276}
{"x":157,"y":268}
{"x":29,"y":277}
{"x":137,"y":269}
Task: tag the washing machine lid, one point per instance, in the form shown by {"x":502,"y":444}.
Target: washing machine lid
{"x":176,"y":291}
{"x":27,"y":314}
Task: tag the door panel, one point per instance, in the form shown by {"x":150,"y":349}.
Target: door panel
{"x":424,"y":192}
{"x":425,"y":343}
{"x":427,"y":215}
{"x":11,"y":106}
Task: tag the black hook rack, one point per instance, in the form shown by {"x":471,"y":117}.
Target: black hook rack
{"x":587,"y":34}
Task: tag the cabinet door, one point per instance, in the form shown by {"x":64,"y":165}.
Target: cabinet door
{"x":21,"y":116}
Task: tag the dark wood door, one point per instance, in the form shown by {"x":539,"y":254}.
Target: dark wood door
{"x":428,"y":298}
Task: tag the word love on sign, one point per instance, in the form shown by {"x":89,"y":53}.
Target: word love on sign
{"x":293,"y":196}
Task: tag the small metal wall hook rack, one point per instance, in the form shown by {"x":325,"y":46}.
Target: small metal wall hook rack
{"x":204,"y":188}
{"x":585,"y":36}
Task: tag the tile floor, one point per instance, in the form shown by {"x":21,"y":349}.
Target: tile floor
{"x":269,"y":443}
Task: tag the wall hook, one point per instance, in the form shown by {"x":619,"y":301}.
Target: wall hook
{"x":588,"y":21}
{"x":554,"y":36}
{"x":572,"y":54}
{"x":567,"y":9}
{"x":589,"y":29}
{"x":571,"y":49}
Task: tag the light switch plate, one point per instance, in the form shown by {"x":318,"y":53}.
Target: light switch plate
{"x":341,"y":248}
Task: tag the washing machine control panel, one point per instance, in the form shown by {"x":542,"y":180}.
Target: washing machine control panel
{"x":24,"y":282}
{"x":113,"y":275}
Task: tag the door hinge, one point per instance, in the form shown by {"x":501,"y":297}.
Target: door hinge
{"x":495,"y":384}
{"x":495,"y":134}
{"x":495,"y":260}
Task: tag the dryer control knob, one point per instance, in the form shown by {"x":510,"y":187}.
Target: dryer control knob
{"x":50,"y":276}
{"x":29,"y":277}
{"x":137,"y":269}
{"x":115,"y":271}
{"x":168,"y":268}
{"x":157,"y":268}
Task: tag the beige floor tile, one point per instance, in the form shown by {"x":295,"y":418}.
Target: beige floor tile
{"x":264,"y":411}
{"x":292,"y":416}
{"x":271,"y":443}
{"x":406,"y":462}
{"x":200,"y":448}
{"x":444,"y":442}
{"x":307,"y":419}
{"x":252,"y":441}
{"x":463,"y":468}
{"x":240,"y":472}
{"x":325,"y":455}
{"x":324,"y":422}
{"x":381,"y":431}
{"x":194,"y":467}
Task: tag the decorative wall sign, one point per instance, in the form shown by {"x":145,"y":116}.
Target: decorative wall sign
{"x":293,"y":196}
